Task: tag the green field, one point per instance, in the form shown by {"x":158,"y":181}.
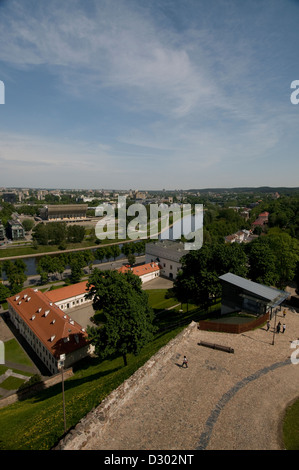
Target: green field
{"x":14,"y":353}
{"x":291,"y":427}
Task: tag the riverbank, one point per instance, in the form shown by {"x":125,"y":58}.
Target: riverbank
{"x":48,"y":250}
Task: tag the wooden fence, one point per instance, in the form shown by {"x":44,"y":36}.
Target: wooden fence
{"x":232,"y":327}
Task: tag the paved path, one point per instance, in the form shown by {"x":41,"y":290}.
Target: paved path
{"x":223,"y":401}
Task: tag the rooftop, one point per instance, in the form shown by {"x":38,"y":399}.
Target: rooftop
{"x":141,"y":270}
{"x":166,"y":249}
{"x":270,"y":294}
{"x":67,"y":292}
{"x":56,"y":330}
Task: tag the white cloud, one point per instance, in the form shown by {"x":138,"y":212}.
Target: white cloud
{"x":195,"y":92}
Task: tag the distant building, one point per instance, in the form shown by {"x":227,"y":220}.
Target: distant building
{"x":15,"y":230}
{"x":261,"y":220}
{"x":245,"y":214}
{"x":146,"y":272}
{"x":49,"y":331}
{"x":240,"y":294}
{"x":10,"y":197}
{"x":140,"y":195}
{"x":168,"y":254}
{"x":64,"y":212}
{"x":242,"y":236}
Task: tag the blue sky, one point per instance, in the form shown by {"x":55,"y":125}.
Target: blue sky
{"x":137,"y":94}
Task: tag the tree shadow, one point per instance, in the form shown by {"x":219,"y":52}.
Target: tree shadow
{"x":71,"y":384}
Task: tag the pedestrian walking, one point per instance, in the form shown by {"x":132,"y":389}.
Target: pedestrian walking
{"x":278,"y":327}
{"x":283,"y":328}
{"x":185,"y":362}
{"x":284,"y":313}
{"x":268,"y":325}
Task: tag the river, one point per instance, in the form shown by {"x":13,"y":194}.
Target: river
{"x":32,"y":261}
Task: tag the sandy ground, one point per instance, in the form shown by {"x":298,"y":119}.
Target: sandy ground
{"x":222,"y":401}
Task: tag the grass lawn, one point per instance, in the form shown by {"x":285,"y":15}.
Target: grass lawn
{"x":47,"y":249}
{"x":157,"y":299}
{"x":291,"y":427}
{"x":37,"y":423}
{"x":14,"y":353}
{"x":12,"y":383}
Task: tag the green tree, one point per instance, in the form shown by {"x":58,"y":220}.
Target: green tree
{"x":199,"y":278}
{"x":77,"y":263}
{"x":131,"y":259}
{"x":126,"y":249}
{"x":89,"y":258}
{"x":128,"y":324}
{"x":286,"y":251}
{"x":100,"y":254}
{"x":262,"y":262}
{"x":4,"y":292}
{"x":40,"y":234}
{"x":115,"y":250}
{"x":15,"y":272}
{"x":27,"y":224}
{"x":57,"y":232}
{"x":75,"y":233}
{"x":57,"y":266}
{"x":108,"y":253}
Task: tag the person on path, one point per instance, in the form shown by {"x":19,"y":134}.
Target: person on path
{"x":185,"y":362}
{"x":268,"y":325}
{"x":278,"y":327}
{"x":283,"y":328}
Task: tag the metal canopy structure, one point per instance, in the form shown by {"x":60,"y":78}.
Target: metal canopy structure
{"x":254,"y":291}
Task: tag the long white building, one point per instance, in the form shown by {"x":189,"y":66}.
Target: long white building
{"x":49,"y":330}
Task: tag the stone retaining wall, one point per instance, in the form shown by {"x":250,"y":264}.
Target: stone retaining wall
{"x":34,"y":389}
{"x":92,"y":424}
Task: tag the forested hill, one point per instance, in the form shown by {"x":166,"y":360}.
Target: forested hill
{"x":261,"y":189}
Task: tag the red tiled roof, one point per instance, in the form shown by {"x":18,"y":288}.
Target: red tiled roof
{"x":55,"y":329}
{"x":264,"y":214}
{"x":67,"y":292}
{"x":141,"y":270}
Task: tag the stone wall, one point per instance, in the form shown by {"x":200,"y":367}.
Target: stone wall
{"x":34,"y":389}
{"x":92,"y":424}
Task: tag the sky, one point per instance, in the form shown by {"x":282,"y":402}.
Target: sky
{"x":148,"y":95}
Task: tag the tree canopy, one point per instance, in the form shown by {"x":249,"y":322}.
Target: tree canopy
{"x":128,"y":324}
{"x":198,"y":280}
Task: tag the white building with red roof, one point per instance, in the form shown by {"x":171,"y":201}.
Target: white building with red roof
{"x":48,"y":330}
{"x":69,"y":296}
{"x":146,"y":272}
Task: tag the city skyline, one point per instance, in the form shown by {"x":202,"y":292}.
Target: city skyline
{"x":148,"y":95}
